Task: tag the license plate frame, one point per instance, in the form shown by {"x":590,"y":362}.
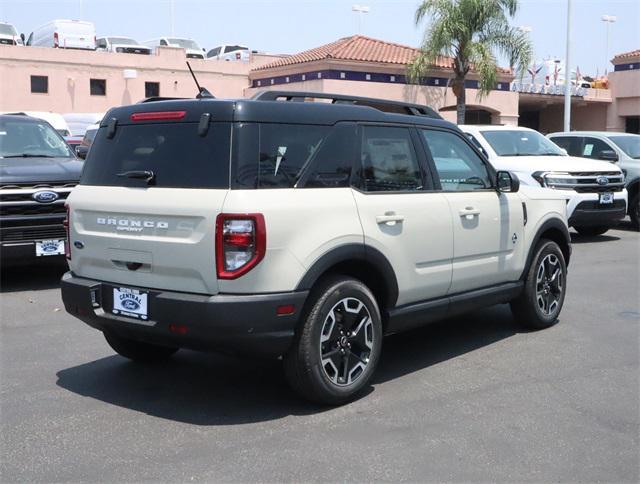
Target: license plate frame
{"x":606,"y":198}
{"x":49,"y":247}
{"x":130,"y":303}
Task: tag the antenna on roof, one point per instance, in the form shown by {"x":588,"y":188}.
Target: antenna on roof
{"x":202,"y":91}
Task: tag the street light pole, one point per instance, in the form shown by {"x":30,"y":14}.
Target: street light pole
{"x":360,"y":9}
{"x":607,"y":19}
{"x":567,"y":73}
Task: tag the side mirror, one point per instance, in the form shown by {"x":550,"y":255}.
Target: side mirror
{"x":608,"y":155}
{"x":22,"y":37}
{"x":82,"y":151}
{"x":507,"y":182}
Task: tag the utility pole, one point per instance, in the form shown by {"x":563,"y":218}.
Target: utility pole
{"x":360,"y":9}
{"x":567,"y":73}
{"x":607,"y":19}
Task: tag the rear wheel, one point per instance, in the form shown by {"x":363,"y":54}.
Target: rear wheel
{"x":540,"y":303}
{"x":337,"y":348}
{"x":595,"y":230}
{"x":634,"y":211}
{"x":137,"y":350}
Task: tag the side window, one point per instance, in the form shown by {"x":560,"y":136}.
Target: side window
{"x":275,"y":155}
{"x":388,"y":160}
{"x":332,"y":165}
{"x":102,"y":43}
{"x":163,"y":42}
{"x":459,"y":167}
{"x":593,"y":147}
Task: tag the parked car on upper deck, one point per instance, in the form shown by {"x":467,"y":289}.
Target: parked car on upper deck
{"x":37,"y":172}
{"x":64,"y":34}
{"x":623,"y":149}
{"x":9,"y":35}
{"x":596,"y":197}
{"x":191,"y":47}
{"x":123,"y":45}
{"x":229,"y":53}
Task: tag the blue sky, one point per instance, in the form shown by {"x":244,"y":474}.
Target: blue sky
{"x":290,"y":26}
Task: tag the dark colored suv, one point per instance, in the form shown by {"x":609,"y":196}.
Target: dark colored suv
{"x":37,"y":172}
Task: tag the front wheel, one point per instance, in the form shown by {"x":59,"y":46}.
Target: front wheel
{"x":137,"y":350}
{"x":540,"y":303}
{"x":592,"y":231}
{"x":337,"y":348}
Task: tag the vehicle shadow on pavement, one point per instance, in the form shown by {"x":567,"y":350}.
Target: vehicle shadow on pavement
{"x":35,"y":276}
{"x":211,"y":389}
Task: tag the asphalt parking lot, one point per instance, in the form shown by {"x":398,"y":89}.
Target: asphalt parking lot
{"x":470,"y":399}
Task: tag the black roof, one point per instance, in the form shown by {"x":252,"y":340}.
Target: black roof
{"x":23,"y":117}
{"x":250,"y":110}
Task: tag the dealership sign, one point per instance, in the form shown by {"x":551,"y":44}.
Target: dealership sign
{"x":557,"y":90}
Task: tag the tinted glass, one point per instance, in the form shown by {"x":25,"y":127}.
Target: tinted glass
{"x":572,"y":144}
{"x":459,"y":167}
{"x":174,"y":152}
{"x":213,"y":52}
{"x":389,"y":161}
{"x":184,"y":43}
{"x":8,"y":29}
{"x":122,"y":40}
{"x":39,"y":84}
{"x":593,"y":148}
{"x":21,"y":138}
{"x":520,"y":143}
{"x":98,"y":87}
{"x":477,"y":144}
{"x":151,"y":89}
{"x":629,"y":144}
{"x":274,"y":155}
{"x":334,"y":161}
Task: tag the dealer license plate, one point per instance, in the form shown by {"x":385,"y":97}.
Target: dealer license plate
{"x":49,"y":247}
{"x":131,"y":303}
{"x":606,"y":197}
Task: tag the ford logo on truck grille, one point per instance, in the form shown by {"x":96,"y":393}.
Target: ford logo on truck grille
{"x":45,"y":196}
{"x":602,"y":180}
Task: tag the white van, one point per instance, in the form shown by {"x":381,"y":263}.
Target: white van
{"x":191,"y":47}
{"x":65,"y":34}
{"x":54,"y":119}
{"x":78,"y":122}
{"x":9,"y":35}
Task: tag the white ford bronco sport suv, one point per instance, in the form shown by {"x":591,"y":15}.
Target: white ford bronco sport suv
{"x":301,"y":230}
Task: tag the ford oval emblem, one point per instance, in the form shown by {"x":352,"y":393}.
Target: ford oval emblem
{"x":130,"y":304}
{"x":45,"y":196}
{"x":602,"y":180}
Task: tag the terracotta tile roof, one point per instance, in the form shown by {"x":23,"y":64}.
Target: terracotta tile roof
{"x":358,"y":48}
{"x":627,"y":55}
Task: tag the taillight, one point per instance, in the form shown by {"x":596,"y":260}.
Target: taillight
{"x":241,"y":242}
{"x":158,"y":115}
{"x":56,"y":42}
{"x":66,"y":223}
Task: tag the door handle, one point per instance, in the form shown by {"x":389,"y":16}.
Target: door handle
{"x":389,"y":218}
{"x":469,"y":212}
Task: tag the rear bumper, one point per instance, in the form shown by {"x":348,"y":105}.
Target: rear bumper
{"x":233,"y":323}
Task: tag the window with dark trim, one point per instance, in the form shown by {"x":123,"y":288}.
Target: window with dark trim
{"x":98,"y":87}
{"x":151,"y":89}
{"x":40,"y":84}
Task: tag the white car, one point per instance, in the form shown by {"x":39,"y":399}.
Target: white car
{"x":54,"y":119}
{"x":78,"y":122}
{"x":123,"y":45}
{"x":191,"y":47}
{"x":301,"y":230}
{"x":595,"y":192}
{"x":9,"y":35}
{"x":64,"y":34}
{"x":229,"y":53}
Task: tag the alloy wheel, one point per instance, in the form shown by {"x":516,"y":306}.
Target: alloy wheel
{"x":549,"y":284}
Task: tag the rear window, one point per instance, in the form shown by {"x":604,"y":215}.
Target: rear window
{"x":174,"y":152}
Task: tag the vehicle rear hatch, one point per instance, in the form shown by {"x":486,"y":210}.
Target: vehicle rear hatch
{"x":145,"y":211}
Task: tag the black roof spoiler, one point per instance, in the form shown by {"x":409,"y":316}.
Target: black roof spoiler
{"x":384,"y":105}
{"x":160,"y":98}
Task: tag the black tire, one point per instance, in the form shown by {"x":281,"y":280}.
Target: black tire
{"x":342,"y":311}
{"x":137,"y":350}
{"x":592,"y":231}
{"x":634,"y":211}
{"x":541,"y":301}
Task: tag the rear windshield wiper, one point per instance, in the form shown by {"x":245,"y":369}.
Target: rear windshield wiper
{"x":146,"y":175}
{"x":28,"y":155}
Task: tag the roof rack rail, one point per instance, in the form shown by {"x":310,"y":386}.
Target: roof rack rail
{"x":385,"y":105}
{"x":159,"y":98}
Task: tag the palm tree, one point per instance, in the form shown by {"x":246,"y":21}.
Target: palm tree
{"x":471,"y":32}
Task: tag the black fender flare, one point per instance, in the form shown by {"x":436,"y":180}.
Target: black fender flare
{"x":350,"y":252}
{"x":552,"y":223}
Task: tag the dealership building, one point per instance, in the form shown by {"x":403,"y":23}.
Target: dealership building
{"x":65,"y":81}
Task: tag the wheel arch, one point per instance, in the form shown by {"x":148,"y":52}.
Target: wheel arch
{"x":361,"y":262}
{"x":553,"y":229}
